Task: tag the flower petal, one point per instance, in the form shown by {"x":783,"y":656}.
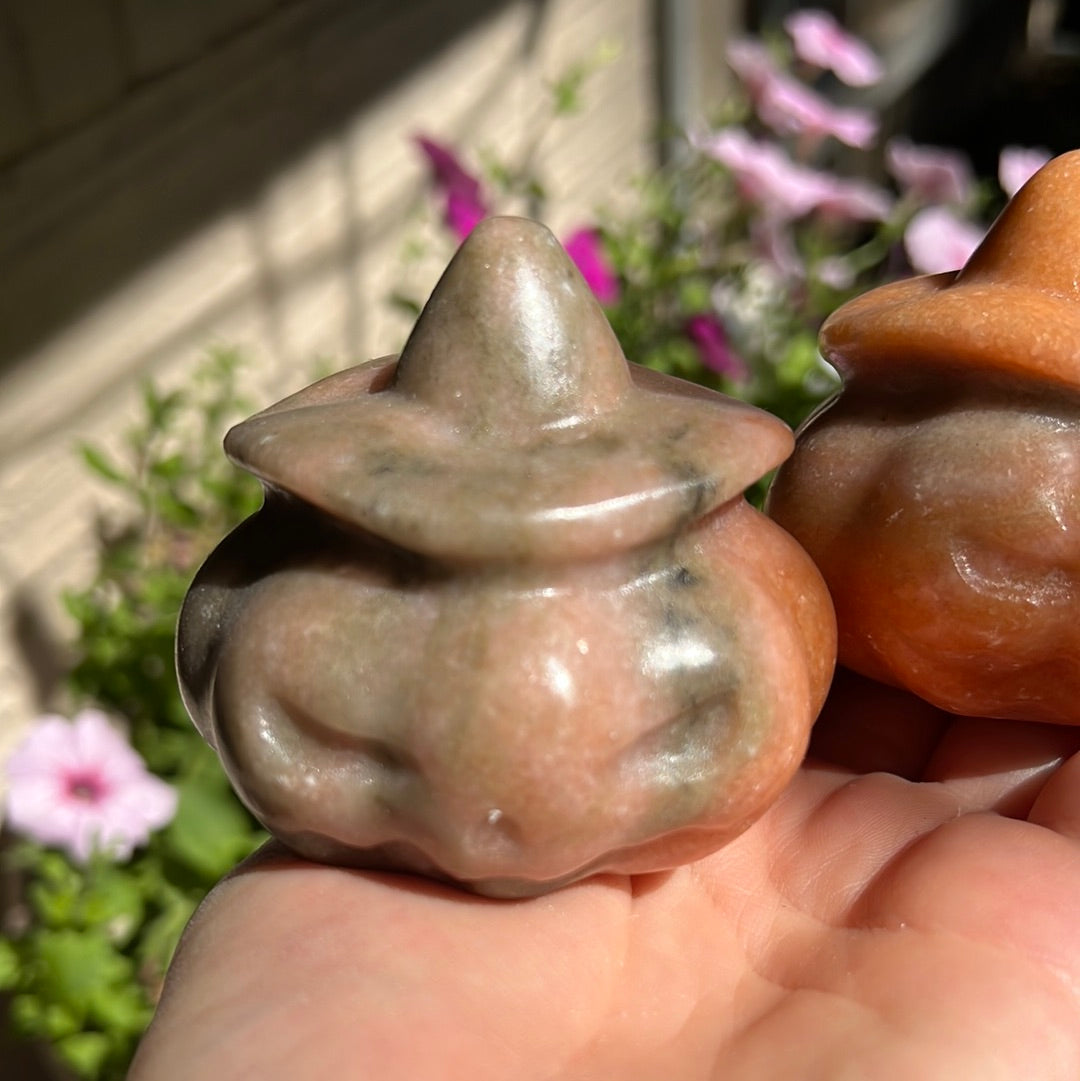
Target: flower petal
{"x":932,"y":174}
{"x":463,"y":213}
{"x":791,"y":108}
{"x":708,"y":335}
{"x":80,"y":785}
{"x":1018,"y":164}
{"x":821,"y":42}
{"x":937,"y":239}
{"x":585,"y":247}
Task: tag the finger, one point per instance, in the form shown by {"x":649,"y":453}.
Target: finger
{"x":867,"y":727}
{"x":1057,"y":806}
{"x":1000,"y":766}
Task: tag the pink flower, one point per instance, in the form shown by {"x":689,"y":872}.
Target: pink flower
{"x":80,"y":786}
{"x":774,"y":242}
{"x":821,"y":42}
{"x":789,"y":107}
{"x":707,"y":334}
{"x":1017,"y":165}
{"x":465,"y":203}
{"x":750,"y":60}
{"x":835,"y":272}
{"x":932,"y":174}
{"x":585,"y":248}
{"x":784,"y":189}
{"x":763,"y":172}
{"x":851,"y":200}
{"x":937,"y":239}
{"x":462,"y":214}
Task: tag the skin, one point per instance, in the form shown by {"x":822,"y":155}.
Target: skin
{"x":906,"y":909}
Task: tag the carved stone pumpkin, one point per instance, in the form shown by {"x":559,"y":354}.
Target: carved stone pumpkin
{"x":939,"y":493}
{"x":505,"y":617}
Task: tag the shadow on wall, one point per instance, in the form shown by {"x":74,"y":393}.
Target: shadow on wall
{"x":126,"y":124}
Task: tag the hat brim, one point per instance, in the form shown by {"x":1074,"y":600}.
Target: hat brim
{"x":388,"y":464}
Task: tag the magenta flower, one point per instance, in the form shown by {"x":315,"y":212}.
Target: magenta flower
{"x":585,"y":248}
{"x":80,"y":786}
{"x":932,"y":174}
{"x":707,"y":334}
{"x":464,"y":200}
{"x":462,"y":214}
{"x":821,"y":42}
{"x":1017,"y":165}
{"x":937,"y":239}
{"x":789,"y":107}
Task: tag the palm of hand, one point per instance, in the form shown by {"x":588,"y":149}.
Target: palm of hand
{"x":868,"y":927}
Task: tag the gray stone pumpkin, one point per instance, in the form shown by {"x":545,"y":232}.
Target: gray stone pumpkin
{"x":505,"y":618}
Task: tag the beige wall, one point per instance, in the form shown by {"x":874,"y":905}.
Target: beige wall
{"x":175,"y":174}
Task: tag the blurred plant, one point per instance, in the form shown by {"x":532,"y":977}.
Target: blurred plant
{"x":114,"y":858}
{"x":739,"y":249}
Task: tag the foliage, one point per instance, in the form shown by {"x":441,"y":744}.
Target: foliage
{"x":87,"y":952}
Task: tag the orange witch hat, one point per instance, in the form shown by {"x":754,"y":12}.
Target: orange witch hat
{"x":1014,"y":308}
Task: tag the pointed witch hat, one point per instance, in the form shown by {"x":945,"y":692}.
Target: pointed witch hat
{"x":511,"y":427}
{"x":1013,"y":309}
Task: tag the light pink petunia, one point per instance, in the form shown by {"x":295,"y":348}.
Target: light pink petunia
{"x":753,"y":64}
{"x":821,"y":42}
{"x":464,"y":201}
{"x":586,"y":249}
{"x":708,"y":335}
{"x":784,"y":189}
{"x":1018,"y":164}
{"x":80,"y":786}
{"x":937,"y":239}
{"x":764,"y":173}
{"x":851,"y":199}
{"x":932,"y":174}
{"x":789,"y":107}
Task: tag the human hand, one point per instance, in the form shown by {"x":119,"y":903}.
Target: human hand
{"x":907,"y":909}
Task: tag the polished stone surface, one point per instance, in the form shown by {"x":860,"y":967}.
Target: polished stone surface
{"x":938,"y":493}
{"x":505,"y":617}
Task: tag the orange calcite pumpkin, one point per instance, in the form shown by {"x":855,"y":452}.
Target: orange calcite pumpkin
{"x":505,"y":617}
{"x":939,"y":492}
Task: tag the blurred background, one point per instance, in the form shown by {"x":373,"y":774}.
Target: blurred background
{"x":179,"y":174}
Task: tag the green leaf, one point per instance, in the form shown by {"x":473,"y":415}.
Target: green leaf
{"x":9,"y":965}
{"x":211,"y":830}
{"x":161,"y":935}
{"x":172,"y":467}
{"x":113,"y":902}
{"x":409,"y":305}
{"x":75,"y":966}
{"x":98,"y":463}
{"x":121,"y":1009}
{"x":85,"y":1052}
{"x":54,"y":891}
